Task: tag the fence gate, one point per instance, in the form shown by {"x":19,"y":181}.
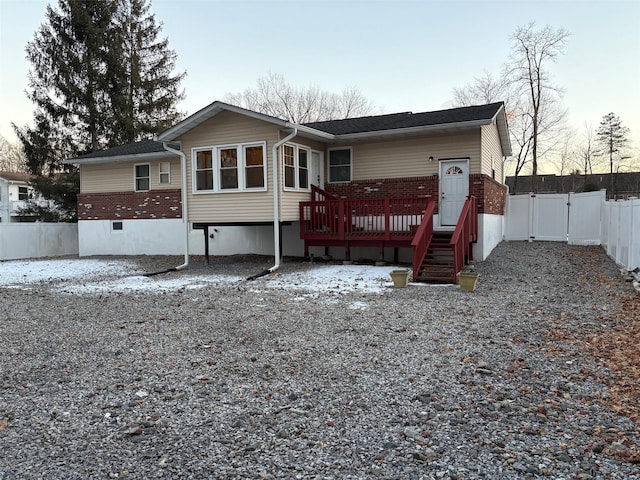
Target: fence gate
{"x":558,"y":217}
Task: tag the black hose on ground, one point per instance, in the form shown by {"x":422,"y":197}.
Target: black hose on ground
{"x":174,"y":269}
{"x":261,"y":274}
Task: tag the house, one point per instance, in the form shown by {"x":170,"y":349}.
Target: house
{"x":356,"y":187}
{"x":619,"y":186}
{"x":14,"y":193}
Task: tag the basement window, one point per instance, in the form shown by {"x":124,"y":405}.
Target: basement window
{"x":116,"y":226}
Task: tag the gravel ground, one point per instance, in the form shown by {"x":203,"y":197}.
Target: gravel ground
{"x":237,"y":380}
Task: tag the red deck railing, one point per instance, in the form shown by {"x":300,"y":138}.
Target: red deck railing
{"x":383,"y":219}
{"x":422,"y":239}
{"x":466,"y":232}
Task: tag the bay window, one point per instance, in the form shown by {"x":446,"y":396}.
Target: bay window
{"x":230,"y":168}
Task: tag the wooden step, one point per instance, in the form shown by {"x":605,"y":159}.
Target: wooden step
{"x":438,"y":265}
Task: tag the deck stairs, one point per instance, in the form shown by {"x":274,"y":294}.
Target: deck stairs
{"x":439,"y":263}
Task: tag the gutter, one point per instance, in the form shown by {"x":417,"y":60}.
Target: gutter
{"x":183,"y":187}
{"x":276,"y":205}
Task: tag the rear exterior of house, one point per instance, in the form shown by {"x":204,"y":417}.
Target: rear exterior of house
{"x":215,"y":182}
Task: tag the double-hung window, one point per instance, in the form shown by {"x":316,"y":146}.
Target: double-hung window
{"x":339,"y":165}
{"x":142,"y":174}
{"x":230,"y":168}
{"x":164,"y":173}
{"x":23,"y":193}
{"x":295,"y":159}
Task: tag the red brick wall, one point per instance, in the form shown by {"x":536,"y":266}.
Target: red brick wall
{"x":386,"y":188}
{"x":491,"y":194}
{"x":130,"y":205}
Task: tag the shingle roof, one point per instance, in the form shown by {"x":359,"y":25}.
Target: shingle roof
{"x":407,"y":120}
{"x":16,"y":176}
{"x":136,"y":148}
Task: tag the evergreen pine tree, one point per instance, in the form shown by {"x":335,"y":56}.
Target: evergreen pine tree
{"x":144,"y":92}
{"x":612,"y":137}
{"x":99,"y":77}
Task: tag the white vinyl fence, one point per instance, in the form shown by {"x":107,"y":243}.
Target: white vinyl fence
{"x":35,"y":240}
{"x":579,"y":219}
{"x":621,"y":232}
{"x":557,"y":217}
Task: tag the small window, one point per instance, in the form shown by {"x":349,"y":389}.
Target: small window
{"x":254,"y":166}
{"x":23,"y":193}
{"x":116,"y":226}
{"x":340,"y":165}
{"x":204,"y":170}
{"x":303,"y":168}
{"x":142,"y":177}
{"x":295,"y":160}
{"x":165,"y":173}
{"x":228,"y":168}
{"x":289,"y":166}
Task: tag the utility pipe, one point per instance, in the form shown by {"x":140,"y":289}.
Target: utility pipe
{"x":276,"y":205}
{"x":183,"y":188}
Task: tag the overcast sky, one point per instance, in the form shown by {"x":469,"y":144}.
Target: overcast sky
{"x":403,"y":55}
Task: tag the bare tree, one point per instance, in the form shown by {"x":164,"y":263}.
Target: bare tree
{"x":274,"y":96}
{"x":483,"y":89}
{"x":527,"y":72}
{"x":12,"y":158}
{"x":586,"y":151}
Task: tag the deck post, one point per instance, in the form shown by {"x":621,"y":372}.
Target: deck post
{"x":347,"y":252}
{"x":206,"y":242}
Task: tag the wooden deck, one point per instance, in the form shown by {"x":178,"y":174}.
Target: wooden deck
{"x":385,"y":222}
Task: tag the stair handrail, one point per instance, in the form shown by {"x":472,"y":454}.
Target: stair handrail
{"x":320,"y":195}
{"x":465,"y":233}
{"x":422,"y":238}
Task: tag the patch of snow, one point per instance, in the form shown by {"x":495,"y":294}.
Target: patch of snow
{"x":335,"y":278}
{"x":20,"y":272}
{"x":96,"y":276}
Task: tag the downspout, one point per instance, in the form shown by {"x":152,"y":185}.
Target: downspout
{"x":276,"y":205}
{"x":183,"y":188}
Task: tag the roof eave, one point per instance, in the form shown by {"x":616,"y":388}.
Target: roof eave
{"x":118,"y":158}
{"x":454,"y":126}
{"x":312,"y":133}
{"x":503,"y":131}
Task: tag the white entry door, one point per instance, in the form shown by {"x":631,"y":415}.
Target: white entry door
{"x":317,"y":169}
{"x":454,"y":189}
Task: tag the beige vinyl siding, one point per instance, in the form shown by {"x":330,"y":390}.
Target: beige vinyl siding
{"x":229,"y":128}
{"x":119,"y":176}
{"x":491,"y":151}
{"x":409,"y":157}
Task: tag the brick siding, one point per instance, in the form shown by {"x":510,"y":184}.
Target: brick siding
{"x":130,"y":205}
{"x":491,"y":194}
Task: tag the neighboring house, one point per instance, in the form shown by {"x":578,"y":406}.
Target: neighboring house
{"x":14,"y":193}
{"x":216,"y":173}
{"x":625,"y":185}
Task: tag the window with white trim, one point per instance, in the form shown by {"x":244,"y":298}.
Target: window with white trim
{"x":295,"y":161}
{"x":142,"y":177}
{"x":230,"y":168}
{"x":339,"y":165}
{"x":164,"y":173}
{"x":23,"y":193}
